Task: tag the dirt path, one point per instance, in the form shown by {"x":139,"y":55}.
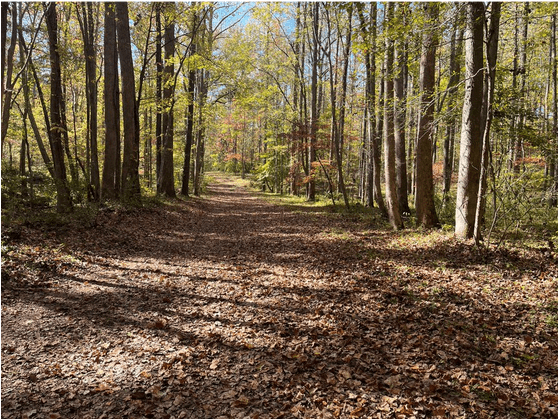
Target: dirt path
{"x":229,"y":306}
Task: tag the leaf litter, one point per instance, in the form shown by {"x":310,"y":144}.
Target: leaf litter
{"x":232,"y":307}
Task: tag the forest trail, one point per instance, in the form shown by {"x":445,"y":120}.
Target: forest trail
{"x":230,"y":306}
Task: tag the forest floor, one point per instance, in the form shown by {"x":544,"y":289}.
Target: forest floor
{"x":230,"y":306}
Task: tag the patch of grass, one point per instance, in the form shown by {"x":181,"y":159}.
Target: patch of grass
{"x":338,"y":234}
{"x":419,"y":238}
{"x":482,"y":394}
{"x":552,"y":321}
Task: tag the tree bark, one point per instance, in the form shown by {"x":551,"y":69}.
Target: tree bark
{"x":8,"y":64}
{"x":167,"y":159}
{"x":63,"y":199}
{"x":553,"y":174}
{"x":28,"y":107}
{"x":338,"y":126}
{"x":200,"y":137}
{"x":311,"y":195}
{"x":456,"y":50}
{"x":389,"y":139}
{"x":488,"y":112}
{"x":369,"y":39}
{"x":130,"y":163}
{"x":554,"y":190}
{"x":88,"y":33}
{"x":471,"y":128}
{"x":400,"y":86}
{"x":111,"y":172}
{"x":189,"y":115}
{"x":158,"y":93}
{"x":4,"y":36}
{"x":424,"y":196}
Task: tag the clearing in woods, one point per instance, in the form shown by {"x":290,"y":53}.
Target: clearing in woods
{"x":231,"y":306}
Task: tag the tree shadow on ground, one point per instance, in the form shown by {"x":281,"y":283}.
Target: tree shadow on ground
{"x":239,"y":308}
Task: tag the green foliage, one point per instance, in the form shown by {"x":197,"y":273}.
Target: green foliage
{"x":521,"y":210}
{"x":24,"y":194}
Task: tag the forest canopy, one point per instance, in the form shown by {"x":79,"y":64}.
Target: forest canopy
{"x":436,"y":114}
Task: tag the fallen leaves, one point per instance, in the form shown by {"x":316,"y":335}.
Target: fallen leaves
{"x":230,"y":307}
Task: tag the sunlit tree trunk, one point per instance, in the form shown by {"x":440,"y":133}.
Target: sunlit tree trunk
{"x":130,"y":163}
{"x":338,"y":126}
{"x":27,"y":100}
{"x":389,"y":139}
{"x":63,"y":199}
{"x":424,"y":197}
{"x":189,"y":117}
{"x":471,"y":128}
{"x":488,"y":112}
{"x":7,"y":67}
{"x":456,"y":50}
{"x":200,"y":135}
{"x":311,"y":195}
{"x":87,"y":25}
{"x":400,"y":86}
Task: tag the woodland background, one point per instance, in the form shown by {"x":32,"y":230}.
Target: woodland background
{"x":259,"y":210}
{"x":421,"y":110}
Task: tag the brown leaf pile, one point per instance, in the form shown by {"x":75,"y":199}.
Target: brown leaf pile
{"x":231,"y":307}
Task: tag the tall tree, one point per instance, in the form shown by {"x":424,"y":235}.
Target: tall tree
{"x":338,"y":126}
{"x":373,"y":181}
{"x":487,"y":111}
{"x":553,"y":201}
{"x":27,"y":99}
{"x":190,"y":109}
{"x":87,"y":22}
{"x":7,"y":68}
{"x":159,"y":92}
{"x":130,"y":162}
{"x":311,"y":191}
{"x":63,"y":198}
{"x":456,"y":51}
{"x":200,"y":134}
{"x":424,"y":196}
{"x":166,"y":174}
{"x":111,"y":167}
{"x":389,"y":113}
{"x":471,"y":128}
{"x":400,"y":86}
{"x":4,"y":35}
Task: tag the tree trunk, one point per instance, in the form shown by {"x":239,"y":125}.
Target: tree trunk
{"x":189,"y":116}
{"x":488,"y":112}
{"x":200,"y":137}
{"x":130,"y":163}
{"x":471,"y":129}
{"x":376,"y":124}
{"x":400,"y":86}
{"x":63,"y":199}
{"x":389,"y":139}
{"x":554,"y":179}
{"x":337,"y":128}
{"x":167,"y":159}
{"x":111,"y":172}
{"x":424,"y":197}
{"x":28,"y":107}
{"x":314,"y":103}
{"x":456,"y":50}
{"x":88,"y":33}
{"x":4,"y":36}
{"x":8,"y":64}
{"x":158,"y":93}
